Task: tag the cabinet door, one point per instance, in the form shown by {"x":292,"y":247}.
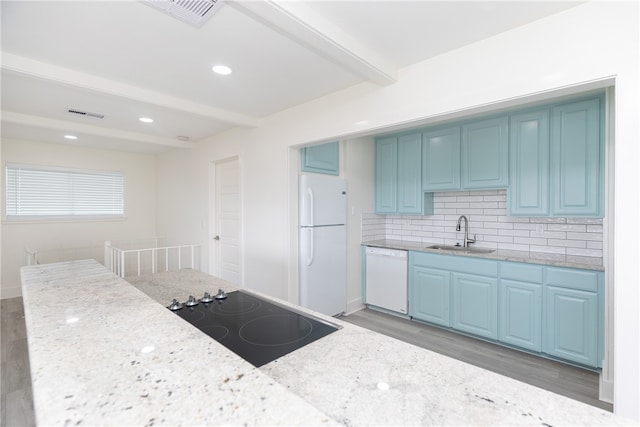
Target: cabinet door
{"x":485,"y":154}
{"x":572,"y":325}
{"x":475,"y":304}
{"x":410,"y":197}
{"x":386,"y":175}
{"x":528,"y":193}
{"x":322,"y":158}
{"x":429,"y":295}
{"x":521,"y":314}
{"x":441,"y":159}
{"x":576,"y":159}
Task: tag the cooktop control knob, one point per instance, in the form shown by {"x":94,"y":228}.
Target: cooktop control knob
{"x":175,"y":305}
{"x":206,"y":298}
{"x":191,"y":301}
{"x":220,"y":294}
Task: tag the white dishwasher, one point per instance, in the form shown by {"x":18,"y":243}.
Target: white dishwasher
{"x":386,"y":279}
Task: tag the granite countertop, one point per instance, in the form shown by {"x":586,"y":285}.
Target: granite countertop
{"x":99,"y":370}
{"x":500,"y":255}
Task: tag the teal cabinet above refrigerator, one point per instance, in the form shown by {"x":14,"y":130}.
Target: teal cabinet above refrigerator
{"x":323,"y":158}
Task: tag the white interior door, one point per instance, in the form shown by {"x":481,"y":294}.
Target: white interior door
{"x":227,"y":230}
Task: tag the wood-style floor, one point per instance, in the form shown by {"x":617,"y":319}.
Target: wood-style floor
{"x":17,"y":401}
{"x":576,"y":383}
{"x":15,"y":378}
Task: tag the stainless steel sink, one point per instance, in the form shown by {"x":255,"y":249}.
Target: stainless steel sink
{"x":462,"y":249}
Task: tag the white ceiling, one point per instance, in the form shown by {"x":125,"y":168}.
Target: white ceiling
{"x":125,"y":60}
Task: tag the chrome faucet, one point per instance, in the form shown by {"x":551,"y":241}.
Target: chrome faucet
{"x":467,"y":240}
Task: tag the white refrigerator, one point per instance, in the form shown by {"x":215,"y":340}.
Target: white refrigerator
{"x":323,"y":243}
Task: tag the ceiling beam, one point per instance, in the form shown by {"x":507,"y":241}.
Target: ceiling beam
{"x":84,"y":129}
{"x":30,"y":67}
{"x":301,"y":24}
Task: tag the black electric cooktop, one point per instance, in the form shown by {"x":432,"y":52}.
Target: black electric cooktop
{"x":254,"y":329}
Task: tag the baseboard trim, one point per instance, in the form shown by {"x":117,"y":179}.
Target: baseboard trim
{"x":13,"y":292}
{"x":354,"y":305}
{"x":605,"y":392}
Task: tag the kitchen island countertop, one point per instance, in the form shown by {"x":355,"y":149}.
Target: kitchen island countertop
{"x":105,"y":353}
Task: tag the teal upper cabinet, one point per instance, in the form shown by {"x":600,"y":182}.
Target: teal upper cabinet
{"x":577,"y":166}
{"x":398,"y":182}
{"x":441,"y":159}
{"x":410,"y":197}
{"x":324,"y":158}
{"x":386,"y":175}
{"x":472,"y":156}
{"x":485,"y":154}
{"x":529,"y":164}
{"x":557,"y":160}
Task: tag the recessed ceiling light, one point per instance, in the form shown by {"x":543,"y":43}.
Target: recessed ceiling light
{"x":71,"y":137}
{"x":146,"y":120}
{"x":221,"y":69}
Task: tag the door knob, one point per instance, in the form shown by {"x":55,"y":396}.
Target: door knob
{"x":216,"y":238}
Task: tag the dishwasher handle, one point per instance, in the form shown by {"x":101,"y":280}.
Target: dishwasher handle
{"x":385,"y":252}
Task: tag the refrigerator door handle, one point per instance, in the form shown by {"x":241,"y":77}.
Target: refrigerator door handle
{"x":310,"y":251}
{"x":310,"y":193}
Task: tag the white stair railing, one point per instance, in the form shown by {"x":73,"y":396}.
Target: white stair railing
{"x":118,"y":260}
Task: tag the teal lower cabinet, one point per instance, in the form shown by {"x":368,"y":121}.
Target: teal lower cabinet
{"x":541,"y":309}
{"x":572,"y":325}
{"x":475,"y":308}
{"x":429,"y":298}
{"x":521,"y":314}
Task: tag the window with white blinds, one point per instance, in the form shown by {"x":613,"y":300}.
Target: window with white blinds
{"x":39,"y":192}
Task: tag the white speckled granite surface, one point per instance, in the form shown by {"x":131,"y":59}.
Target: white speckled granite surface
{"x":93,"y":372}
{"x":499,"y":255}
{"x":89,"y":336}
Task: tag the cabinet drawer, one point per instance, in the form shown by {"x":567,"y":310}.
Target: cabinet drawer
{"x":462,"y":264}
{"x":573,"y":278}
{"x":522,"y":272}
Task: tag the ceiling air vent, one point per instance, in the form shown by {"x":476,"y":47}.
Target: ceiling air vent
{"x":194,"y":12}
{"x":86,"y":113}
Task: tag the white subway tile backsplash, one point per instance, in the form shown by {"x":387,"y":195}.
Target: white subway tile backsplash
{"x":547,"y":238}
{"x":515,"y":233}
{"x":584,"y":236}
{"x":580,"y":228}
{"x":499,"y":239}
{"x":549,"y":235}
{"x":594,"y":228}
{"x":547,"y":249}
{"x":594,"y":245}
{"x":457,"y":205}
{"x":567,"y":243}
{"x":530,"y":241}
{"x":470,"y":198}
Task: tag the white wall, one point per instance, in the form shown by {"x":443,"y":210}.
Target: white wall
{"x":585,"y":47}
{"x":359,"y":165}
{"x":140,"y":206}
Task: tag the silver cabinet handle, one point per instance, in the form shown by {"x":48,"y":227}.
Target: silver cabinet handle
{"x":216,"y":238}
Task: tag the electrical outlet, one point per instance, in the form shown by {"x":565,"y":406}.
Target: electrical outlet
{"x":539,"y":228}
